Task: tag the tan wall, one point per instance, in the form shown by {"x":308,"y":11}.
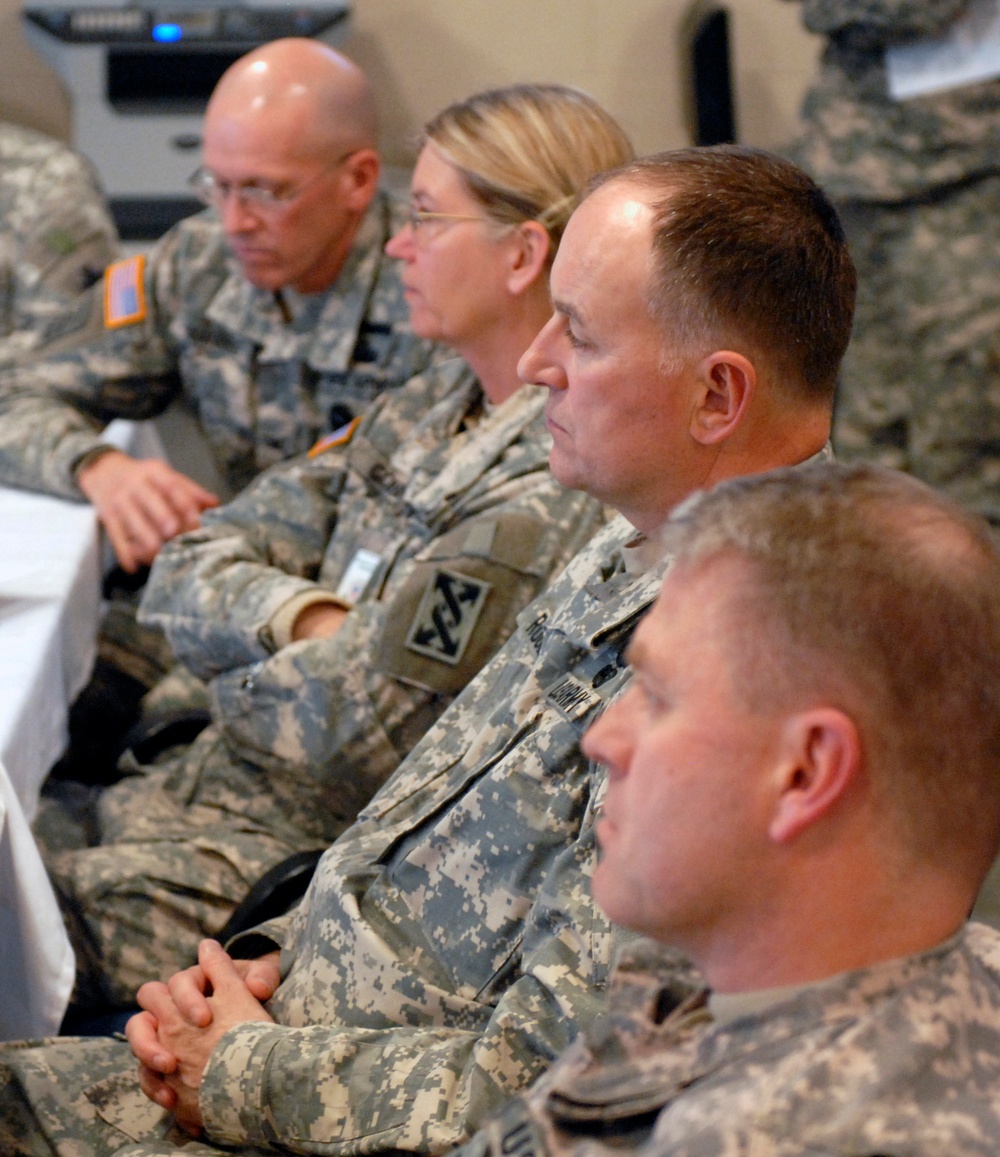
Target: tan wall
{"x":30,"y":92}
{"x":423,"y":54}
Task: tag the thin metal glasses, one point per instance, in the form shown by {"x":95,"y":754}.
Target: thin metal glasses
{"x":260,"y":196}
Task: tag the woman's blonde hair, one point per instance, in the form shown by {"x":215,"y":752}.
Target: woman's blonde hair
{"x":527,"y":151}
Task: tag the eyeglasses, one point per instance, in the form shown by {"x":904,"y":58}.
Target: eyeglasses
{"x":263,"y":197}
{"x":418,"y":219}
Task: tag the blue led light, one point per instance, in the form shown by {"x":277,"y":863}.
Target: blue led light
{"x":167,"y":33}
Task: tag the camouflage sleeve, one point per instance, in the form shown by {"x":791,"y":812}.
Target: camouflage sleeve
{"x":884,"y":21}
{"x":330,"y":1090}
{"x":59,"y":237}
{"x":335,"y":716}
{"x":54,"y":405}
{"x":214,"y":591}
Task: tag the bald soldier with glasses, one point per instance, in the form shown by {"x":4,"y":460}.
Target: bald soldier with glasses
{"x":275,"y":315}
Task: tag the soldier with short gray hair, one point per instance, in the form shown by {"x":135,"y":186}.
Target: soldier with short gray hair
{"x":802,"y":799}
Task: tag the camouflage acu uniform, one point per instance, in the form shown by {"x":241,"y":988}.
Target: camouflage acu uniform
{"x":917,"y":184}
{"x":437,"y":543}
{"x":448,"y":949}
{"x":56,"y":236}
{"x":901,"y":1060}
{"x":266,"y":373}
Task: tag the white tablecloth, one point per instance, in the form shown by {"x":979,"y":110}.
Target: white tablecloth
{"x":50,"y":596}
{"x":38,"y":964}
{"x":50,"y":592}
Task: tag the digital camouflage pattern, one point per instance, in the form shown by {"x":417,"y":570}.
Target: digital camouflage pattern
{"x":443,"y":538}
{"x":859,"y":143}
{"x":448,"y":949}
{"x":898,"y":1060}
{"x":265,"y":373}
{"x":56,"y":235}
{"x":920,"y":383}
{"x":918,"y":186}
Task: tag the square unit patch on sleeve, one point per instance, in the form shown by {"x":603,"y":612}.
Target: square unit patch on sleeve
{"x":125,"y":292}
{"x":446,"y":616}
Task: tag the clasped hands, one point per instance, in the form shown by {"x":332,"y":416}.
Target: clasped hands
{"x":184,"y":1019}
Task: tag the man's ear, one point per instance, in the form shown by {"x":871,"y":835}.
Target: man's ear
{"x":728,"y":381}
{"x":530,"y":245}
{"x":361,"y":172}
{"x":821,"y":758}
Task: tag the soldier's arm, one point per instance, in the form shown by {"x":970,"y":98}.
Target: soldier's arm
{"x":337,"y":715}
{"x":233,"y":593}
{"x":216,"y":590}
{"x":329,"y":1090}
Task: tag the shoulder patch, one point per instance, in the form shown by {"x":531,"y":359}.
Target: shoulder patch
{"x":339,"y":437}
{"x":125,"y":292}
{"x":446,"y":616}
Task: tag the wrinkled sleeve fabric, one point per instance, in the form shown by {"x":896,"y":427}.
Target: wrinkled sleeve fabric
{"x":213,"y":591}
{"x":317,"y":718}
{"x":326,"y":1090}
{"x":54,"y":405}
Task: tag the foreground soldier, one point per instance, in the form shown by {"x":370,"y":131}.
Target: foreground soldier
{"x":56,"y":235}
{"x":802,"y":798}
{"x":448,"y":948}
{"x":341,"y":602}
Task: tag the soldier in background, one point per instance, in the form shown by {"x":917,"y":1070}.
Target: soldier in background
{"x":917,"y":184}
{"x":802,"y":799}
{"x":275,"y":315}
{"x":56,"y":235}
{"x":448,"y":949}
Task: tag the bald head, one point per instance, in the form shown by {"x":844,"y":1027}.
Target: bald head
{"x":316,"y":99}
{"x":296,"y":119}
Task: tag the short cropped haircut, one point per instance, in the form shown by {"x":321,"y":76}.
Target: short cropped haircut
{"x":750,"y":254}
{"x":527,"y":151}
{"x":869,"y":591}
